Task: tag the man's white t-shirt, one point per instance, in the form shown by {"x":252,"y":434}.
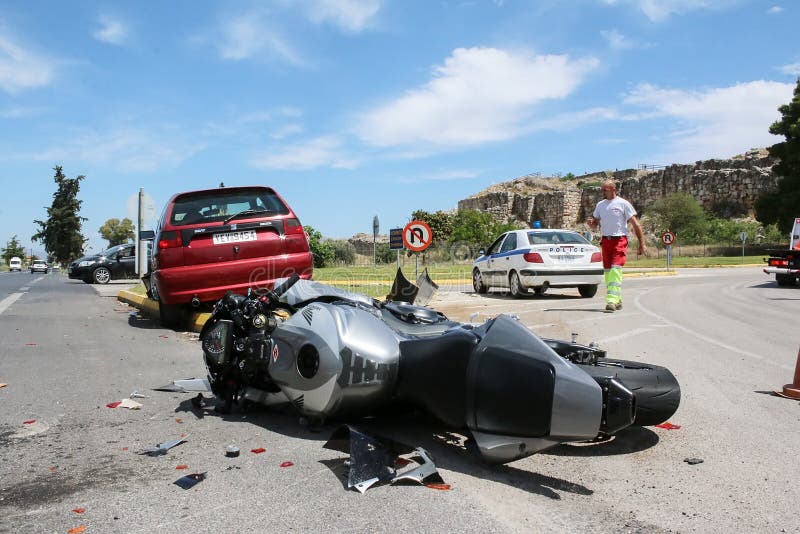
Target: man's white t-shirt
{"x":614,"y":215}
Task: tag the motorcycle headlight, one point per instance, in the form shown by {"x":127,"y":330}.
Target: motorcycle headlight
{"x":217,"y":343}
{"x":86,"y":263}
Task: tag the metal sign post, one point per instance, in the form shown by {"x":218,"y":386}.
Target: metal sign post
{"x":668,"y":238}
{"x":743,"y":237}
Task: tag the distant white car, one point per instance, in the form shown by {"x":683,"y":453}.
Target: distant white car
{"x":39,"y":266}
{"x":538,"y":259}
{"x":15,"y":264}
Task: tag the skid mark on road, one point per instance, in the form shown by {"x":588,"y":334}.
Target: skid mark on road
{"x":9,"y":300}
{"x":704,"y":337}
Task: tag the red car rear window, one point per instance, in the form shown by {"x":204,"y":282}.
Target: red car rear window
{"x":218,"y":207}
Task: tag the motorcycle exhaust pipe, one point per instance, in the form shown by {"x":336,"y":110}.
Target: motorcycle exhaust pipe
{"x":195,"y":302}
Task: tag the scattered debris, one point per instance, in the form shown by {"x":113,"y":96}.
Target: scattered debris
{"x":79,"y":510}
{"x":189,"y":481}
{"x":162,"y":448}
{"x":232,"y":467}
{"x":77,"y":530}
{"x":693,"y":461}
{"x":113,"y":404}
{"x":435,"y":486}
{"x":258,"y":450}
{"x":184,"y":385}
{"x":375,"y":459}
{"x":53,"y":468}
{"x":181,"y":466}
{"x":287,"y":464}
{"x":164,"y":337}
{"x":30,"y":344}
{"x":29,"y":422}
{"x":668,"y":426}
{"x":231,"y":451}
{"x":137,"y":395}
{"x":3,"y":385}
{"x":178,"y":420}
{"x":130,"y":404}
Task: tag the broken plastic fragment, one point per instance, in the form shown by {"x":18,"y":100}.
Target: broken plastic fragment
{"x":129,"y":404}
{"x":77,"y":530}
{"x":162,"y":448}
{"x":178,"y":420}
{"x":3,"y":385}
{"x":79,"y":510}
{"x":137,"y":395}
{"x":189,"y":481}
{"x":231,"y":451}
{"x":188,"y":384}
{"x":29,"y":422}
{"x":438,"y":486}
{"x":182,"y":466}
{"x":668,"y":426}
{"x":287,"y":464}
{"x":113,"y":404}
{"x":53,"y":468}
{"x":693,"y":461}
{"x":258,"y":450}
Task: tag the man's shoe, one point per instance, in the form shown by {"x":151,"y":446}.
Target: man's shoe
{"x":610,"y":308}
{"x":618,"y":306}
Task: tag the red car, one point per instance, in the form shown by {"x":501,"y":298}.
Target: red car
{"x":218,"y":240}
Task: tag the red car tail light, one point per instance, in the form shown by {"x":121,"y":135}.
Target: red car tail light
{"x":778,"y":262}
{"x":533,"y":257}
{"x":596,"y":257}
{"x":293,"y":227}
{"x":169,"y":239}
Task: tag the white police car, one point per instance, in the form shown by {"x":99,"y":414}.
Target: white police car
{"x":538,"y":259}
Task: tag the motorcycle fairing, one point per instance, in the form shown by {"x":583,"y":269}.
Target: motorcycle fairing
{"x":308,"y":290}
{"x":357,"y":355}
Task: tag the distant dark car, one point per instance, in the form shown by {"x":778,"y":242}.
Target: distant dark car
{"x":38,"y":266}
{"x":218,"y":240}
{"x":112,"y":264}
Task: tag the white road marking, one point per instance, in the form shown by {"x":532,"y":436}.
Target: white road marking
{"x":23,"y":289}
{"x":36,"y":280}
{"x":704,"y":337}
{"x":629,"y":333}
{"x":9,"y":300}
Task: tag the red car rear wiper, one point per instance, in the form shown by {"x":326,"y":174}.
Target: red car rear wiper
{"x":245,"y":213}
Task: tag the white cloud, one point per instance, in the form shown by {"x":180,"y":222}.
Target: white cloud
{"x":250,"y":35}
{"x":126,"y":150}
{"x":349,"y":15}
{"x":774,"y":10}
{"x":478,"y":95}
{"x":659,"y":10}
{"x":616,"y":40}
{"x":792,"y":69}
{"x":715,"y":123}
{"x":22,"y":69}
{"x":325,"y":151}
{"x":112,"y":31}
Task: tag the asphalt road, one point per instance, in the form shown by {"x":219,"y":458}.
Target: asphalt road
{"x":729,"y":335}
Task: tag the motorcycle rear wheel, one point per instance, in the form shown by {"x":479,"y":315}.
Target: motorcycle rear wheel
{"x":656,"y":389}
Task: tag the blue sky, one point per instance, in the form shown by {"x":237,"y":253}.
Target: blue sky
{"x":357,"y":108}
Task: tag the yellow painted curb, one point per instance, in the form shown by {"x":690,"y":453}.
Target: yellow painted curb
{"x":150,"y":308}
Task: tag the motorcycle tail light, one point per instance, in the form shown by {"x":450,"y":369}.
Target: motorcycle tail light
{"x":169,"y":239}
{"x":596,"y":257}
{"x":533,"y":257}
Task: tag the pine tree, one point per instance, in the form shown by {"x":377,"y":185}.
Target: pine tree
{"x":783,"y":205}
{"x":13,"y":248}
{"x":61,"y":232}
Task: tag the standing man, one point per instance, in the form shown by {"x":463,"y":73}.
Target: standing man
{"x":613,"y":213}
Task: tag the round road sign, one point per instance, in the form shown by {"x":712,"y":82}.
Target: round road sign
{"x":417,"y":236}
{"x":668,"y":238}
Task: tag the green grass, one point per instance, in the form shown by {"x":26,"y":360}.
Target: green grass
{"x":691,"y":261}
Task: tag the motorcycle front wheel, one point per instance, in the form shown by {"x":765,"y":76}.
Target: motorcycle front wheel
{"x":656,"y":390}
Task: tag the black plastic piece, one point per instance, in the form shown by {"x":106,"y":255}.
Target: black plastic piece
{"x":402,"y":289}
{"x":619,"y":405}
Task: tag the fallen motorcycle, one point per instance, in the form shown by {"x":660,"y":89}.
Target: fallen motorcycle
{"x":333,"y":354}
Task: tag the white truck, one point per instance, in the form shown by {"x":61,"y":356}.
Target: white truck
{"x":15,"y":264}
{"x":785,"y":264}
